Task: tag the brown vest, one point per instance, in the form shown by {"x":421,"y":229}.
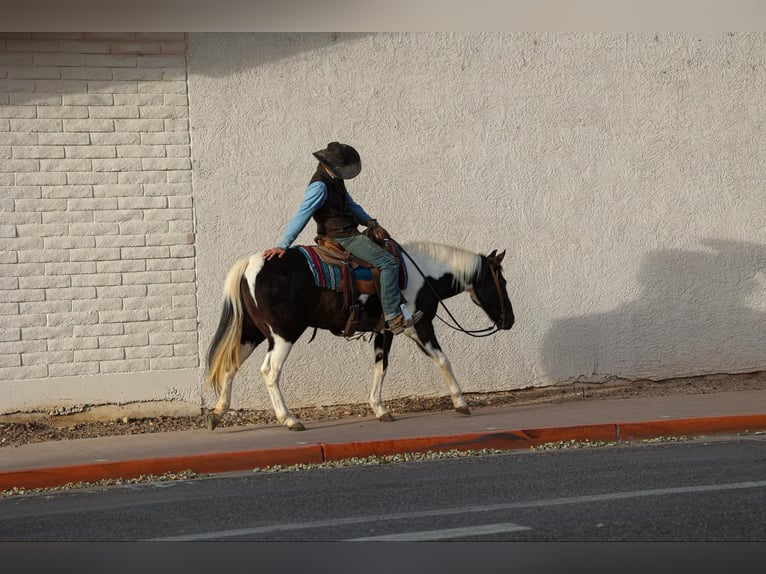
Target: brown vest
{"x":334,"y":218}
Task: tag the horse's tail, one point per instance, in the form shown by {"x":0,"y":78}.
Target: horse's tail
{"x":223,"y":355}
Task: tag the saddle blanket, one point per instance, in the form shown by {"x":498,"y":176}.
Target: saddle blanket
{"x":332,"y":276}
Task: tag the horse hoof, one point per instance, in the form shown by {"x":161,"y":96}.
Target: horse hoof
{"x":463,"y":410}
{"x":386,"y":418}
{"x":296,"y":426}
{"x":212,"y":420}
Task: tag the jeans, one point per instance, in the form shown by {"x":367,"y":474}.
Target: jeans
{"x":365,"y":248}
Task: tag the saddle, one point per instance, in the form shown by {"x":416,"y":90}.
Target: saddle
{"x":335,"y":268}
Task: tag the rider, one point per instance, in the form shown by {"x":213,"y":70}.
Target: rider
{"x":337,"y":216}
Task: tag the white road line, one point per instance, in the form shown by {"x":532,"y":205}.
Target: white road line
{"x":445,"y":534}
{"x":462,"y":510}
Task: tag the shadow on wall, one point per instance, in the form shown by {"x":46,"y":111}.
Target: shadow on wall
{"x":700,"y":312}
{"x":222,"y":54}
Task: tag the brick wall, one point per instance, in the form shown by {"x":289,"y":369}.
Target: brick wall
{"x":97,"y":268}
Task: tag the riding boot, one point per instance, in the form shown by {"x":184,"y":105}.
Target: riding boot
{"x":398,"y":324}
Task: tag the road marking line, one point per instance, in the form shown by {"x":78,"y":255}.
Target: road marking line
{"x":463,"y":510}
{"x":444,"y":534}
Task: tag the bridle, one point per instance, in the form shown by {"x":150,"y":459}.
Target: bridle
{"x":486,"y":332}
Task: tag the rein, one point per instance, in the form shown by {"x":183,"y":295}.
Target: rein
{"x":486,"y":332}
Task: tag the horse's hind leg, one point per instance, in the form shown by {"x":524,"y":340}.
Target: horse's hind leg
{"x":214,"y":417}
{"x":425,"y":337}
{"x":382,"y":344}
{"x":271,"y":370}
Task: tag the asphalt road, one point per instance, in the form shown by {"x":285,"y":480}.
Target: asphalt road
{"x":682,"y":491}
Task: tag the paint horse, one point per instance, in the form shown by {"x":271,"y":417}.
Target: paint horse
{"x":278,"y":299}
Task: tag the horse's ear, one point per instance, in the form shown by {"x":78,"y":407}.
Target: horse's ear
{"x":499,"y":258}
{"x":492,"y":255}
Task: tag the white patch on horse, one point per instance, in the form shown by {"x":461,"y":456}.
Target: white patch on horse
{"x":254,"y":266}
{"x":436,"y":260}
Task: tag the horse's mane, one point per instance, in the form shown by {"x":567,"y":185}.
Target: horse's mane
{"x":464,"y":265}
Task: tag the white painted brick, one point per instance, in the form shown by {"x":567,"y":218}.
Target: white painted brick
{"x":6,"y":152}
{"x":69,"y":293}
{"x":74,"y":343}
{"x":79,"y":139}
{"x":169,"y":239}
{"x":165,"y":138}
{"x":121,"y":291}
{"x":45,"y":333}
{"x":20,"y":218}
{"x":178,"y":61}
{"x":141,"y":151}
{"x":9,"y":59}
{"x":60,"y":86}
{"x":44,"y":178}
{"x":179,"y":176}
{"x":45,"y":307}
{"x":34,"y":73}
{"x":7,"y":335}
{"x":117,"y":138}
{"x":38,"y":152}
{"x":110,"y":36}
{"x":180,"y":202}
{"x":88,"y":99}
{"x":118,"y":215}
{"x":17,"y":86}
{"x":19,"y":295}
{"x":23,"y":321}
{"x":147,"y":278}
{"x":69,"y":242}
{"x":138,"y":74}
{"x":130,"y":303}
{"x":167,"y":214}
{"x":165,"y":112}
{"x":47,"y":357}
{"x":7,"y":257}
{"x":173,"y":313}
{"x":90,"y":305}
{"x":89,"y":355}
{"x":31,"y":372}
{"x":133,"y":340}
{"x":172,"y":163}
{"x":97,"y":280}
{"x":139,"y":125}
{"x":118,"y":190}
{"x":162,"y":36}
{"x":56,"y":230}
{"x":86,"y":73}
{"x":5,"y":126}
{"x":15,"y":360}
{"x":167,"y":189}
{"x":143,"y":227}
{"x":19,"y":165}
{"x":114,"y":112}
{"x":95,"y":254}
{"x":176,"y":100}
{"x":142,"y":202}
{"x":89,"y":125}
{"x":137,"y":48}
{"x":92,"y":203}
{"x":90,"y":151}
{"x":123,"y":316}
{"x":18,"y":139}
{"x":178,"y":151}
{"x":142,"y":177}
{"x":59,"y":60}
{"x":149,"y":327}
{"x":9,"y":283}
{"x":89,"y":318}
{"x":172,"y":338}
{"x":21,"y":191}
{"x":153,"y":351}
{"x":145,"y":252}
{"x":91,"y":229}
{"x":18,"y":112}
{"x":63,"y":112}
{"x":73,"y":369}
{"x":121,"y":266}
{"x":121,"y":164}
{"x":179,"y":125}
{"x":173,"y":289}
{"x":99,"y":329}
{"x":70,"y":268}
{"x":65,"y":165}
{"x":162,"y":87}
{"x":44,"y":281}
{"x":173,"y":363}
{"x":187,"y":350}
{"x":43,"y":255}
{"x":126,"y":366}
{"x":110,"y":61}
{"x":113,"y":87}
{"x":7,"y":231}
{"x":24,"y":243}
{"x":121,"y":241}
{"x":35,"y":99}
{"x":85,"y":47}
{"x":174,"y":74}
{"x":184,"y":301}
{"x":67,"y":217}
{"x":139,"y":99}
{"x":37,"y":125}
{"x":41,"y":204}
{"x":186,"y":325}
{"x":91,"y":178}
{"x":181,"y":251}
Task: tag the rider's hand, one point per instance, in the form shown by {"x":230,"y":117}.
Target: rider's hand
{"x":269,"y":253}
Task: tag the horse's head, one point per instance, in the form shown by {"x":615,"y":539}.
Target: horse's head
{"x":490,"y":293}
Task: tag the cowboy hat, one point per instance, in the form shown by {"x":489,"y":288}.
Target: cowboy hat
{"x":341,"y":159}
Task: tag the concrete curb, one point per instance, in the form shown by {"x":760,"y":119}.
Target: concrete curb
{"x":210,"y":463}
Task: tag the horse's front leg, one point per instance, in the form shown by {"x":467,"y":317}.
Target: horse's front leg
{"x":425,"y":337}
{"x":271,"y":370}
{"x":382,"y":345}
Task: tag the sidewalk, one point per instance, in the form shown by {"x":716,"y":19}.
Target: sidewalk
{"x":230,"y":449}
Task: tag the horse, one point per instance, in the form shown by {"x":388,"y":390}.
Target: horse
{"x":278,"y":299}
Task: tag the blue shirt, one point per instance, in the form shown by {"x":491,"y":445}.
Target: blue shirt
{"x":315,"y":196}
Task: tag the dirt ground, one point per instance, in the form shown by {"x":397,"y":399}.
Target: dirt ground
{"x":47,"y":428}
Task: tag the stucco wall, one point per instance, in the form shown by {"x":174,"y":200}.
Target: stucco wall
{"x":622,"y":172}
{"x":97,"y":277}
